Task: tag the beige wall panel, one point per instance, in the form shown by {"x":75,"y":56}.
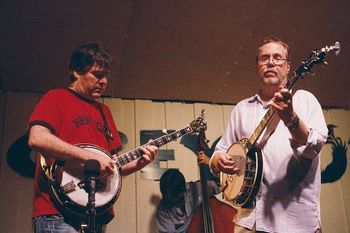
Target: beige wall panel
{"x":333,"y":205}
{"x":227,"y":113}
{"x":341,"y":118}
{"x":332,"y":208}
{"x":16,"y":191}
{"x":214,"y":118}
{"x":123,"y":112}
{"x":178,"y":116}
{"x":149,"y":116}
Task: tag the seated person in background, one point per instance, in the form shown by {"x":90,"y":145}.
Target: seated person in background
{"x":180,"y":199}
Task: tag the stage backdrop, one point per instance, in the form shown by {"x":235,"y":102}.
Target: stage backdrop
{"x":173,"y":47}
{"x":135,"y":208}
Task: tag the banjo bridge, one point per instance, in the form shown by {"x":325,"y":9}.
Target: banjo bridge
{"x":68,"y":187}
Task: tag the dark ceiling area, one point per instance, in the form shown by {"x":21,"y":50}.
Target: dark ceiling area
{"x":191,"y":51}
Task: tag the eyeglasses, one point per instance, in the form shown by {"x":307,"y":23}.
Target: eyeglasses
{"x":277,"y":60}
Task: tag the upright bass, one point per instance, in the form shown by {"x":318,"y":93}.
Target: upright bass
{"x":213,"y":216}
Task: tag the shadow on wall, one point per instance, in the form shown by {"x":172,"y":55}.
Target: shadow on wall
{"x":19,"y":159}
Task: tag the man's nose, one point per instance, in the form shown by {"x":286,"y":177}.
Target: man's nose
{"x":271,"y":61}
{"x":103,"y":80}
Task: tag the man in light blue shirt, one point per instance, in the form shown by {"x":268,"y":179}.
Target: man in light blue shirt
{"x":288,"y":197}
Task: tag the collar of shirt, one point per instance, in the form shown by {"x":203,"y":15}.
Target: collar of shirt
{"x":264,"y":104}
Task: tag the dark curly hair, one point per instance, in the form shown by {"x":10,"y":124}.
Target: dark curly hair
{"x":86,"y":56}
{"x":172,"y":181}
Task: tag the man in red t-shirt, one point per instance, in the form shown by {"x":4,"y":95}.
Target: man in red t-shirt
{"x":67,"y":117}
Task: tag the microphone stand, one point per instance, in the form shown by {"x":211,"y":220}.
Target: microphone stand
{"x":91,"y":206}
{"x":91,"y":171}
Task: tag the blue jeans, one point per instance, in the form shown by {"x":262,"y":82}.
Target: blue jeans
{"x":56,"y":224}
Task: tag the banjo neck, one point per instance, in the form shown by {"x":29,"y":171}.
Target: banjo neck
{"x":197,"y":125}
{"x":260,"y":128}
{"x":271,"y":112}
{"x":137,"y":152}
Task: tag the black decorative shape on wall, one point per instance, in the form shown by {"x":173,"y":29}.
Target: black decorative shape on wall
{"x":123,"y":139}
{"x":18,"y":157}
{"x":336,"y":169}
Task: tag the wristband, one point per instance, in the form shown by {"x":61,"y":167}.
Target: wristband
{"x":293,"y":124}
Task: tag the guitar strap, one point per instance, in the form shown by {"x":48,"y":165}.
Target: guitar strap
{"x":270,"y":129}
{"x":106,"y":130}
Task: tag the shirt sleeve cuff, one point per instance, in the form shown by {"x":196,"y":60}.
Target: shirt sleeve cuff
{"x":313,"y":145}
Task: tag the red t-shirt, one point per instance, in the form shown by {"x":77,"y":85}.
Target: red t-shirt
{"x":74,"y":119}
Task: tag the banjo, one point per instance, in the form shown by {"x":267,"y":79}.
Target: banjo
{"x":241,"y":189}
{"x":66,"y":178}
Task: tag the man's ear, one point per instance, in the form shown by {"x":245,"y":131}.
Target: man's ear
{"x":76,"y":74}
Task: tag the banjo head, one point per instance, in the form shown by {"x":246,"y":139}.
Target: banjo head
{"x":68,"y":186}
{"x":240,"y":189}
{"x":231,"y":184}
